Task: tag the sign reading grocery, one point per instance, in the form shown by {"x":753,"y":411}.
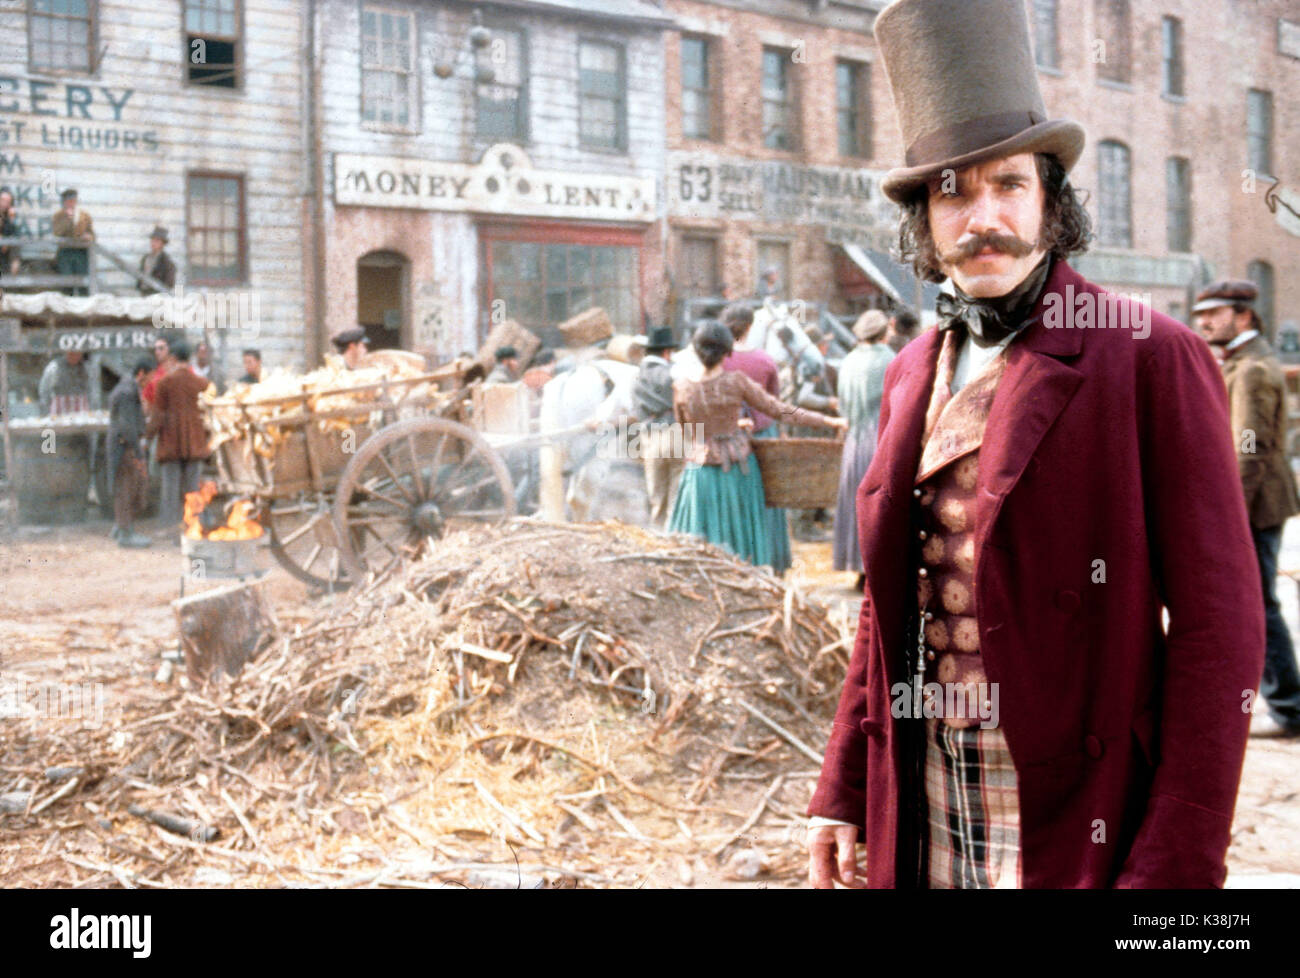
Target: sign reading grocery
{"x":847,"y":202}
{"x":503,"y":182}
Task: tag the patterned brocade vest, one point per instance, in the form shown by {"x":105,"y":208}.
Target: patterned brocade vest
{"x":945,"y":482}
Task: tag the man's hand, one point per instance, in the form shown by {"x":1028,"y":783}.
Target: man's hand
{"x":840,"y":424}
{"x":832,"y":857}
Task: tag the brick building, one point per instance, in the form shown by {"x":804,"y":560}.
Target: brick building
{"x":1191,"y":107}
{"x":778,"y":134}
{"x":516,"y":177}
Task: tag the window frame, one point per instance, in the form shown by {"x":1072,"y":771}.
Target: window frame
{"x":1121,"y":25}
{"x":790,"y":102}
{"x":92,"y":42}
{"x":524,"y":134}
{"x":1268,"y":135}
{"x":415,"y":91}
{"x":686,"y":235}
{"x":862,"y":109}
{"x":1039,"y":8}
{"x":1104,"y":176}
{"x":620,"y":146}
{"x":238,"y":39}
{"x":1183,"y":206}
{"x":1175,"y":62}
{"x":240,"y":179}
{"x":710,"y":94}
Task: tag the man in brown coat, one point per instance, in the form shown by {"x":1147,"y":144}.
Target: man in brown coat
{"x":70,"y":221}
{"x":182,"y":439}
{"x":1257,"y":401}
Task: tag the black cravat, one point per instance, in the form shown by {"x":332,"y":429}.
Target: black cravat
{"x":990,"y":321}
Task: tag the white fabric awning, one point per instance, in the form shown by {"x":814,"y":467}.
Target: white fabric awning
{"x":140,"y":308}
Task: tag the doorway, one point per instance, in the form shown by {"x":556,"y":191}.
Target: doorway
{"x":382,"y":299}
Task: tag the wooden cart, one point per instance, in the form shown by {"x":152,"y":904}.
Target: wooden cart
{"x":349,"y":481}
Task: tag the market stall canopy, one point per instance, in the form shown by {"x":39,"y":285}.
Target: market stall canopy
{"x":190,"y":310}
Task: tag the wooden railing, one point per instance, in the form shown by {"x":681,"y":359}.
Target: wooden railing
{"x":45,"y":250}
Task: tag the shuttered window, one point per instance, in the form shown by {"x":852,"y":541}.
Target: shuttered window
{"x":388,"y":83}
{"x":1114,"y":219}
{"x":502,"y":103}
{"x":602,"y":106}
{"x":215,"y":244}
{"x":1178,"y":204}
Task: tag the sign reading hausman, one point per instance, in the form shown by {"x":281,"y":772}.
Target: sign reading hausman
{"x":503,"y":182}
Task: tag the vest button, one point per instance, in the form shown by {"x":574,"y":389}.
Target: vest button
{"x":923,"y":572}
{"x":1093,"y":747}
{"x":930,"y":655}
{"x":916,"y":493}
{"x":1067,"y":601}
{"x":929,"y":616}
{"x":923,"y":534}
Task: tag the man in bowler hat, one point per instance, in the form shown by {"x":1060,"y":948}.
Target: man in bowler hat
{"x":1015,"y":714}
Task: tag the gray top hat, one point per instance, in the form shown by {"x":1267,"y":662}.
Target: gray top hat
{"x":965,"y":89}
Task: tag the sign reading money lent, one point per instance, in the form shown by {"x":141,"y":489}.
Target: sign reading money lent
{"x":503,"y":182}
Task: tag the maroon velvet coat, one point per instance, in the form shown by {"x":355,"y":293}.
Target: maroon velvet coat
{"x":1128,"y":742}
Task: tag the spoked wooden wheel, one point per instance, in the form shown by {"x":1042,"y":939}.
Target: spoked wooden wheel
{"x":304,"y":541}
{"x":414,"y":481}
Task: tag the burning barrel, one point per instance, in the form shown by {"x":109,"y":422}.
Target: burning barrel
{"x":222,"y":540}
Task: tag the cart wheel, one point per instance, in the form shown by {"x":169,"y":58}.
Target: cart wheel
{"x":303,"y":539}
{"x":413,"y":481}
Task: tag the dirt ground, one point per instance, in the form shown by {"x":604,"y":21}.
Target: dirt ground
{"x":69,"y":594}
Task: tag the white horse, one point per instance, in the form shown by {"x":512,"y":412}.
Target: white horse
{"x":600,"y":486}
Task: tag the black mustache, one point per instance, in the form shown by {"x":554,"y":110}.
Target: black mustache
{"x":1006,"y":243}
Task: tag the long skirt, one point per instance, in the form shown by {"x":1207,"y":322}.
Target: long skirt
{"x":859,"y":448}
{"x":725,"y":508}
{"x":778,"y":524}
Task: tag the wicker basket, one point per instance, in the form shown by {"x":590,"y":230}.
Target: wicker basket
{"x":799,"y":473}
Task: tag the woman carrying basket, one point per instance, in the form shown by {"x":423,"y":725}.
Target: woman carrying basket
{"x":720,"y":497}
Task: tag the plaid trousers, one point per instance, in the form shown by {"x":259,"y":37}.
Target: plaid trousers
{"x":974,"y":812}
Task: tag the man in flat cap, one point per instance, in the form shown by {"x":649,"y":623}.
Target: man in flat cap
{"x":351,"y":346}
{"x":1225,"y":316}
{"x":1052,"y":474}
{"x":506,"y":370}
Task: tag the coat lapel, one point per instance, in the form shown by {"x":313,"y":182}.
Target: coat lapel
{"x":885,"y":496}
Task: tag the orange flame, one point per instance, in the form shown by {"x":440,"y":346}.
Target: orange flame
{"x":240,"y":524}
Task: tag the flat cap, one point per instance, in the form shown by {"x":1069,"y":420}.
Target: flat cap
{"x":1231,"y":292}
{"x":346,"y":337}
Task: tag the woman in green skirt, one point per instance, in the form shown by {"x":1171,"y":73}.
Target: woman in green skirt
{"x":720,"y":497}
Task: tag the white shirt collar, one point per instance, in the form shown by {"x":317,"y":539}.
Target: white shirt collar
{"x":1242,"y":339}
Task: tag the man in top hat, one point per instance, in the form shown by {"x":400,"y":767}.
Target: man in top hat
{"x":157,"y":264}
{"x":651,"y":425}
{"x":1225,"y":316}
{"x":1014,"y":713}
{"x":70,"y":221}
{"x":351,"y":346}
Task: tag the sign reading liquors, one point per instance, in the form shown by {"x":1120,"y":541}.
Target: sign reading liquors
{"x":503,"y":182}
{"x":846,"y":202}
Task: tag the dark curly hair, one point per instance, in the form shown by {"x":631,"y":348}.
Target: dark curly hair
{"x":1066,"y":229}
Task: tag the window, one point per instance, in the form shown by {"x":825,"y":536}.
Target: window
{"x":543,"y":284}
{"x":212,"y":43}
{"x":778,"y":101}
{"x":387,"y":69}
{"x":853,"y":107}
{"x":1259,"y":131}
{"x":602,"y":105}
{"x":502,"y":103}
{"x":1114,"y":224}
{"x":697,"y":267}
{"x":60,"y":35}
{"x":215,"y":219}
{"x":773,"y":255}
{"x":1178,"y":204}
{"x":697,"y":97}
{"x":1171,"y":46}
{"x":1047,"y":52}
{"x":1113,"y":40}
{"x":1261,"y":273}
